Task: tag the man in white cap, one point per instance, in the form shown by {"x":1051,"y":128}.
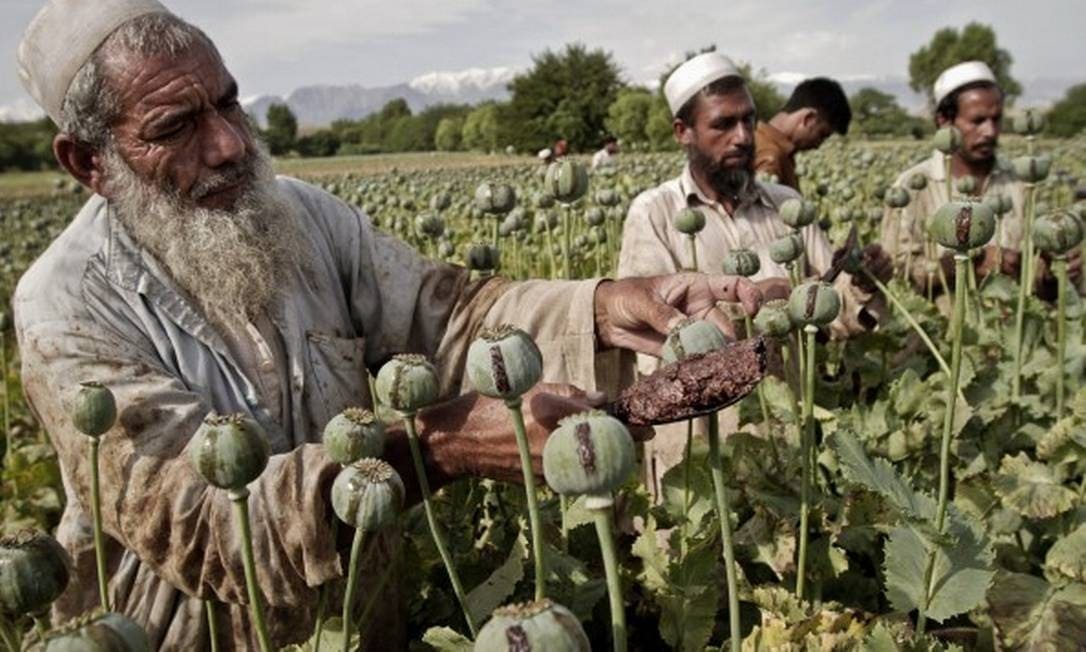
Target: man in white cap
{"x":714,"y":118}
{"x":967,"y":97}
{"x":194,"y":280}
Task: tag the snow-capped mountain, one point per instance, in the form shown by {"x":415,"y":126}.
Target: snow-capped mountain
{"x":472,"y":80}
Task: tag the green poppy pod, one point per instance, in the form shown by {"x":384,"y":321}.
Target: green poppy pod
{"x":963,"y":225}
{"x":1029,"y":122}
{"x":541,"y":626}
{"x":607,"y":197}
{"x":594,"y":216}
{"x":947,"y":139}
{"x":407,"y":383}
{"x":440,"y":201}
{"x":229,"y":451}
{"x":689,"y":221}
{"x":482,"y":257}
{"x":1057,"y":233}
{"x":966,"y":185}
{"x":495,"y":198}
{"x":897,"y":197}
{"x":353,"y":434}
{"x":798,"y":213}
{"x":368,"y":495}
{"x":430,"y":224}
{"x":567,"y":180}
{"x":1031,"y":169}
{"x":741,"y":262}
{"x":918,"y":181}
{"x":95,"y":410}
{"x":1000,"y":204}
{"x":590,"y":454}
{"x":543,"y":200}
{"x":98,"y":632}
{"x":691,"y":337}
{"x":33,"y":572}
{"x":786,"y":248}
{"x":814,"y":304}
{"x":504,"y":362}
{"x":773,"y":319}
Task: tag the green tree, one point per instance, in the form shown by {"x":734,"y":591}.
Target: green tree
{"x":975,"y":42}
{"x":658,"y":128}
{"x":282,"y":129}
{"x":448,"y":137}
{"x":481,"y":128}
{"x":1068,"y":116}
{"x":628,"y":115}
{"x":565,"y":95}
{"x":318,"y":143}
{"x":876,"y":113}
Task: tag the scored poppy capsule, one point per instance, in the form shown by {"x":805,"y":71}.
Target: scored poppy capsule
{"x":689,"y":221}
{"x":353,"y":434}
{"x":947,"y":139}
{"x":1057,"y":233}
{"x":590,"y":453}
{"x":368,"y":494}
{"x":963,"y":225}
{"x":1029,"y":122}
{"x":814,"y":304}
{"x":1031,"y":169}
{"x":741,"y":262}
{"x":229,"y":451}
{"x":495,"y":198}
{"x":98,"y":631}
{"x":773,"y":319}
{"x":1000,"y":204}
{"x":504,"y":362}
{"x":798,"y":213}
{"x":786,"y":249}
{"x":918,"y":181}
{"x":407,"y":383}
{"x":691,"y":337}
{"x":896,"y":197}
{"x":95,"y":410}
{"x":567,"y":180}
{"x":540,"y":625}
{"x":33,"y":572}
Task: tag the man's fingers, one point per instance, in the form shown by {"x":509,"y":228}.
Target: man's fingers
{"x":721,"y":321}
{"x":561,"y":389}
{"x":749,"y":296}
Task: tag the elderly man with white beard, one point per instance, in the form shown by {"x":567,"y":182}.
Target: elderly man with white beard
{"x":194,"y":281}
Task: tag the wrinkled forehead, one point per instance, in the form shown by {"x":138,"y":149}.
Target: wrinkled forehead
{"x":141,"y":79}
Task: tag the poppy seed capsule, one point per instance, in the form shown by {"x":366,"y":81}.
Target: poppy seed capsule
{"x":594,"y":216}
{"x":98,"y":632}
{"x":541,"y":626}
{"x":430,"y":224}
{"x":966,"y":185}
{"x":947,"y":139}
{"x":786,"y":249}
{"x":33,"y":572}
{"x":689,"y":221}
{"x":543,"y":200}
{"x":567,"y":180}
{"x":814,"y":304}
{"x":918,"y":181}
{"x":773,"y":319}
{"x":440,"y":201}
{"x":482,"y":257}
{"x":963,"y":225}
{"x":690,"y":337}
{"x":1000,"y":204}
{"x":1031,"y":169}
{"x":607,"y":197}
{"x":1029,"y":122}
{"x":407,"y":383}
{"x":590,"y":453}
{"x":495,"y":198}
{"x":94,"y":411}
{"x":353,"y":434}
{"x":229,"y":451}
{"x":798,"y":213}
{"x":897,"y":197}
{"x":1057,"y":233}
{"x":368,"y":495}
{"x":504,"y":362}
{"x":741,"y":262}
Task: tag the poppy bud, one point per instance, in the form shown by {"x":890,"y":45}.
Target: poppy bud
{"x":95,"y":410}
{"x":567,"y":180}
{"x":353,"y":434}
{"x":229,"y":451}
{"x":368,"y":495}
{"x":741,"y":262}
{"x":798,"y":213}
{"x":689,"y":221}
{"x":947,"y":139}
{"x":495,"y":198}
{"x":786,"y":249}
{"x":897,"y":197}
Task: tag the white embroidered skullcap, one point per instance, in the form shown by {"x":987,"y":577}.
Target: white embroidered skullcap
{"x":694,"y":75}
{"x":544,"y":154}
{"x":957,"y":76}
{"x":63,"y":36}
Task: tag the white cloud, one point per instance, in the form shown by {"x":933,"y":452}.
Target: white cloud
{"x":454,"y":82}
{"x":21,"y":110}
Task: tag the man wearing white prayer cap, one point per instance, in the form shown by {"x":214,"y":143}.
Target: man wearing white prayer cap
{"x":967,"y":96}
{"x":196,"y":281}
{"x":714,"y":117}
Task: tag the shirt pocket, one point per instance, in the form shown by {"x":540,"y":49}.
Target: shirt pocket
{"x":339,"y":378}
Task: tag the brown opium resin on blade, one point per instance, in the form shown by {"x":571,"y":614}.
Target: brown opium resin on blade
{"x":698,"y":385}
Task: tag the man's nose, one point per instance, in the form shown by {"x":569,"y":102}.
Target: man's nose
{"x":744,"y":134}
{"x":224,"y":143}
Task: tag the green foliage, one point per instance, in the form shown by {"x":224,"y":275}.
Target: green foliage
{"x":282,"y":129}
{"x":27,"y":145}
{"x":1031,"y":614}
{"x":1068,"y":116}
{"x":950,"y":46}
{"x":448,"y":137}
{"x":481,"y":129}
{"x":875,"y":113}
{"x":395,"y":129}
{"x":628,"y":115}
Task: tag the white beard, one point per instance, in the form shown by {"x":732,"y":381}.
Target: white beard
{"x":230,"y":262}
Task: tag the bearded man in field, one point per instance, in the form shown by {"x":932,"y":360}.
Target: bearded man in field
{"x":194,"y":280}
{"x":968,"y":98}
{"x":714,"y":118}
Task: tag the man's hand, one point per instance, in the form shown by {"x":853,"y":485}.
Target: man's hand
{"x":995,"y":258}
{"x":472,"y":435}
{"x":638,"y":313}
{"x":873,"y":259}
{"x":1074,"y":266}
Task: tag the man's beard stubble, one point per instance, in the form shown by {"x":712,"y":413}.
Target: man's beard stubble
{"x":734,"y":182}
{"x":230,"y":262}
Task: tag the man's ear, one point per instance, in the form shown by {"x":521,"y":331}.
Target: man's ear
{"x":81,"y":161}
{"x":684,"y":134}
{"x":808,"y":117}
{"x":941,"y":120}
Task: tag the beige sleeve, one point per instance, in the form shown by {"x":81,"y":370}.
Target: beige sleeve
{"x":646,"y":248}
{"x":153,"y":502}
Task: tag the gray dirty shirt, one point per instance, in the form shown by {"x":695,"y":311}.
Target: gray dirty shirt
{"x":95,"y":307}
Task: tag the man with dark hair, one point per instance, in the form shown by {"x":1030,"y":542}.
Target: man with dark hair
{"x":714,"y":123}
{"x":817,"y":109}
{"x":606,"y":154}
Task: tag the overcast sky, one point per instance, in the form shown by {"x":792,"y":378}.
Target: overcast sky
{"x":274,"y":46}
